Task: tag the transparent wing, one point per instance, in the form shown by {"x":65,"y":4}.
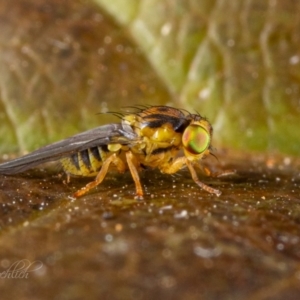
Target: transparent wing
{"x":100,"y":136}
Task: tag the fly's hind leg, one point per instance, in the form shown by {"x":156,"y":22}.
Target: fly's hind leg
{"x":102,"y":173}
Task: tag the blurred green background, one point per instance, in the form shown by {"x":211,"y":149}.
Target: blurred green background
{"x":236,"y":62}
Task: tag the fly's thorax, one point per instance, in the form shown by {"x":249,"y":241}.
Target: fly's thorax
{"x":164,"y":135}
{"x":158,"y":140}
{"x":155,"y":130}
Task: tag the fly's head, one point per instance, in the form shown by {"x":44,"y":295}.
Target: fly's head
{"x":196,"y":138}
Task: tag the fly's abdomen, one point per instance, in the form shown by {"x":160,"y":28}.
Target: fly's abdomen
{"x":85,"y":163}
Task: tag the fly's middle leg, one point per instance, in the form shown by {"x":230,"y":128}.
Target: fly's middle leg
{"x":102,"y":173}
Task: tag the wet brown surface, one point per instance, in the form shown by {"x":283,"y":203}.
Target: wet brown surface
{"x":179,"y":243}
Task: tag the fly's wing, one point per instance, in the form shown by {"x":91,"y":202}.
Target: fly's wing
{"x":103,"y":135}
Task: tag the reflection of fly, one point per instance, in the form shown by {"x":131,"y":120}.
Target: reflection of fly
{"x":150,"y":138}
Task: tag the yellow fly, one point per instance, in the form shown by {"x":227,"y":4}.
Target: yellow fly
{"x":152,"y":137}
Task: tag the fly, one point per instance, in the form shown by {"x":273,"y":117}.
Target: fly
{"x":152,"y":137}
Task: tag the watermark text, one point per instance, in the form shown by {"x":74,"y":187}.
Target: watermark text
{"x":21,"y":269}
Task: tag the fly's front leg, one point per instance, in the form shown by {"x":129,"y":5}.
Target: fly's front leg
{"x":102,"y":173}
{"x":174,"y":166}
{"x":135,"y":176}
{"x":178,"y":164}
{"x":201,"y":184}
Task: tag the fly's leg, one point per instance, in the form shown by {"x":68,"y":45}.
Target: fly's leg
{"x":102,"y":173}
{"x":175,"y":166}
{"x":201,"y":184}
{"x":216,"y":174}
{"x":68,"y":179}
{"x":225,"y":173}
{"x":178,"y":164}
{"x":135,"y":176}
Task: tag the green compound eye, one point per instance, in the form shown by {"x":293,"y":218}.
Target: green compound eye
{"x":195,"y":139}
